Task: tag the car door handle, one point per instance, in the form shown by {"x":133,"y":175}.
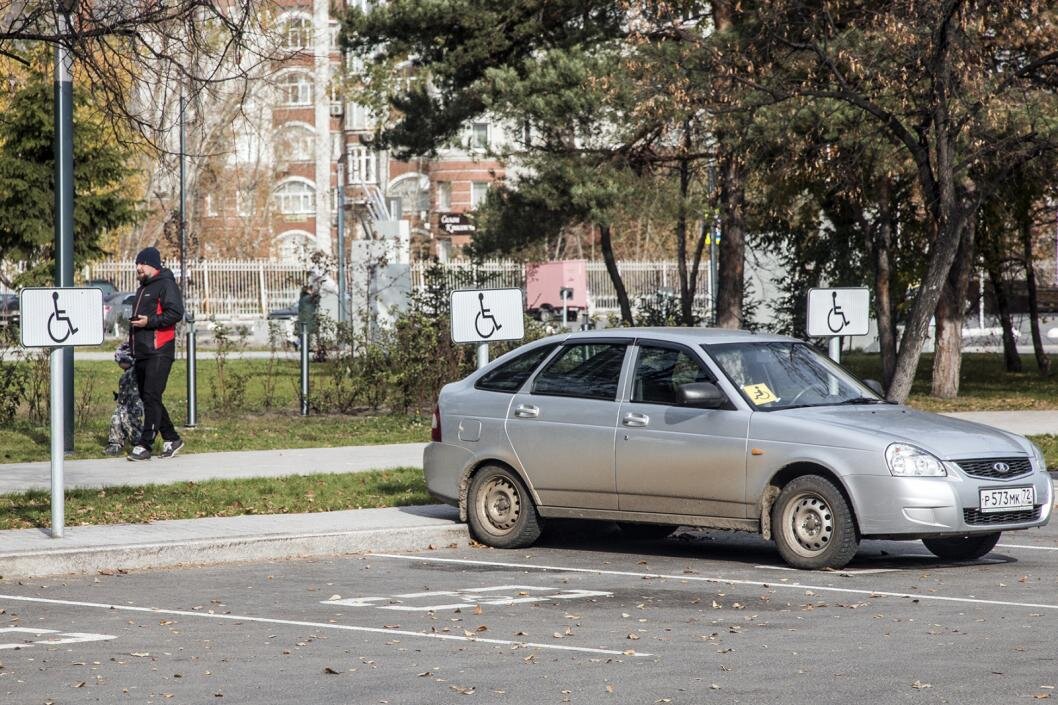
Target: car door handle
{"x":635,"y":420}
{"x":526,"y":411}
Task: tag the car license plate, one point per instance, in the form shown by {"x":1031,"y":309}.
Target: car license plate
{"x":1008,"y":499}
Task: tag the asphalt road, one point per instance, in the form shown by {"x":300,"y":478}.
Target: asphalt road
{"x":584,"y":617}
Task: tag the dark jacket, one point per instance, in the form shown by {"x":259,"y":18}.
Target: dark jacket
{"x":159,"y":299}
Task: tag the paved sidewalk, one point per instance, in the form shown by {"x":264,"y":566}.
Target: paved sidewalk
{"x":1027,"y":423}
{"x":28,"y":553}
{"x":194,"y":467}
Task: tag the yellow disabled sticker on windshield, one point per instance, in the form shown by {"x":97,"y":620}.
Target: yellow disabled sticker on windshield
{"x":760,"y":394}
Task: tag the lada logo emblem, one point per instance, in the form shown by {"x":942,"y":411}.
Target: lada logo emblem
{"x":1001,"y":467}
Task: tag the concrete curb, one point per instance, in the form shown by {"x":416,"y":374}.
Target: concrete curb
{"x":235,"y":549}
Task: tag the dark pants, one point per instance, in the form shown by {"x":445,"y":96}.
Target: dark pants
{"x":152,"y":374}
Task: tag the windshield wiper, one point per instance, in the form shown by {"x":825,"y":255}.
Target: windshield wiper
{"x":860,"y":400}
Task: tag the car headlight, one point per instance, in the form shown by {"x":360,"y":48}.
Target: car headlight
{"x":1041,"y":462}
{"x":906,"y":460}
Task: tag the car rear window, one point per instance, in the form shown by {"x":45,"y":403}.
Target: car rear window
{"x":510,"y":376}
{"x":589,"y":370}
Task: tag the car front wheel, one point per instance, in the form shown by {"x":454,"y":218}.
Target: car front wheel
{"x":962,"y":548}
{"x":812,"y":524}
{"x":500,"y":510}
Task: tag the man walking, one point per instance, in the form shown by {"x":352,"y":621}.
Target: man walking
{"x":152,"y":335}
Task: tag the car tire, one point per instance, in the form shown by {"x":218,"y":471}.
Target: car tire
{"x":813,"y":525}
{"x":500,"y":510}
{"x":962,"y":548}
{"x":545,"y":315}
{"x":645,"y":532}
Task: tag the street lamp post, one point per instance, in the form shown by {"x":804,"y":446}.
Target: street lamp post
{"x":342,"y":312}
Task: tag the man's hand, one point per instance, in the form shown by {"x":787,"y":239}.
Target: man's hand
{"x":139,"y":321}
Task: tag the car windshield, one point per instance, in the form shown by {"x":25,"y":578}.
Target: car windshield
{"x":787,"y":375}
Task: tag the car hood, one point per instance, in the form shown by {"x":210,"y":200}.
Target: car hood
{"x":878,"y":426}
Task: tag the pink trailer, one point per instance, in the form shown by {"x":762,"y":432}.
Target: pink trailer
{"x":544,"y":282}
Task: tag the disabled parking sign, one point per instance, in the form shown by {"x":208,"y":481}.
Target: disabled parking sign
{"x":487,"y":315}
{"x":838,"y":312}
{"x":60,"y":317}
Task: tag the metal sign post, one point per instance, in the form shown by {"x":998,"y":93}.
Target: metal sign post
{"x":64,"y":193}
{"x":837,"y":312}
{"x":481,"y":316}
{"x":565,"y":293}
{"x":60,"y":318}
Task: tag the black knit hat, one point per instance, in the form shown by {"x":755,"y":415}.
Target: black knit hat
{"x":150,"y":256}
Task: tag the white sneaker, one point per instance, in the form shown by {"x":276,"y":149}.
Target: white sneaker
{"x":139,"y":453}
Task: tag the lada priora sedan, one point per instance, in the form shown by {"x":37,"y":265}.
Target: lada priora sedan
{"x":665,"y":427}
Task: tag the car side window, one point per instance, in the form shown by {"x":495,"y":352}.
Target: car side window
{"x":510,"y":376}
{"x":659,"y":373}
{"x":589,"y":370}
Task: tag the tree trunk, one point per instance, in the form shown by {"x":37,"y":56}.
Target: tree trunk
{"x":879,"y":244}
{"x":1011,"y":359}
{"x":606,"y":245}
{"x":1043,"y":363}
{"x":686,"y":316}
{"x":951,"y":310}
{"x":732,"y":260}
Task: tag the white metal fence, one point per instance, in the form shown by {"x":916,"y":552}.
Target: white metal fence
{"x":251,"y":288}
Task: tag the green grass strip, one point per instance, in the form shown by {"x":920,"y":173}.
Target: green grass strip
{"x":220,"y":498}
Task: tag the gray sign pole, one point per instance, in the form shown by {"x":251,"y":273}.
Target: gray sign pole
{"x":64,"y":199}
{"x":483,"y":354}
{"x":189,"y":316}
{"x":58,"y":497}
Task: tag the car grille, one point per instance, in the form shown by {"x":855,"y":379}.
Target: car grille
{"x":976,"y":517}
{"x":984,"y":467}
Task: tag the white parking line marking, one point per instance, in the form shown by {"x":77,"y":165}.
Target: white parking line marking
{"x":64,"y":637}
{"x":1034,"y":548}
{"x":324,"y":625}
{"x":722,"y":581}
{"x":516,"y":595}
{"x":849,"y":573}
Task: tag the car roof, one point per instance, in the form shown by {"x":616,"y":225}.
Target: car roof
{"x":687,"y":336}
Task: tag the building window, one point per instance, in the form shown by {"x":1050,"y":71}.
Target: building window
{"x":292,"y":246}
{"x":333,"y":28}
{"x":296,"y":143}
{"x":363,"y":165}
{"x":358,"y":117}
{"x":478,"y":191}
{"x":479,"y":135}
{"x":295,"y":88}
{"x":211,"y":206}
{"x":296,"y":198}
{"x":296,"y":32}
{"x":444,"y":195}
{"x":244,"y":202}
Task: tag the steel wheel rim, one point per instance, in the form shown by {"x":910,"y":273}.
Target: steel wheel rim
{"x":808,"y":524}
{"x":499,"y":505}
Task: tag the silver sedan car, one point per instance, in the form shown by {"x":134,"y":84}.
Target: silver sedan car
{"x":666,"y":427}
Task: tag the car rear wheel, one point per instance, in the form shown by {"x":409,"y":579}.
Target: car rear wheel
{"x":645,"y":532}
{"x":813,"y":526}
{"x":500,"y":510}
{"x":962,"y":548}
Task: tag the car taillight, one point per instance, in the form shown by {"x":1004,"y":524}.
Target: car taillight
{"x":435,"y":427}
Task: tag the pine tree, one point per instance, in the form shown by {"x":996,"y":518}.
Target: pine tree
{"x":102,"y":200}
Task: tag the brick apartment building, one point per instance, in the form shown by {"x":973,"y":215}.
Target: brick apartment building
{"x":272,"y":193}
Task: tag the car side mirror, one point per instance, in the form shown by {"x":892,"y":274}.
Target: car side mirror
{"x":701,"y":395}
{"x":875,"y":386}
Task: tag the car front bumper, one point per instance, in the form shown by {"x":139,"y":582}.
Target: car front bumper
{"x":920,"y":507}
